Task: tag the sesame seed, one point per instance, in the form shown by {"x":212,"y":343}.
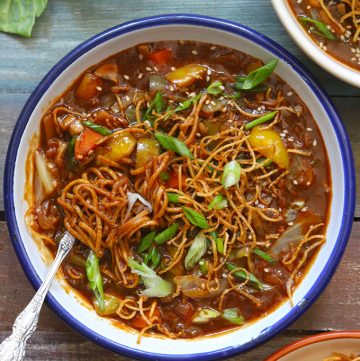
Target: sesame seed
{"x":221,"y":87}
{"x":224,"y":275}
{"x":194,"y":52}
{"x":282,"y":135}
{"x":213,"y":103}
{"x":314,"y":143}
{"x":147,"y":123}
{"x":207,"y":101}
{"x":173,"y":68}
{"x":141,"y":57}
{"x":285,"y":131}
{"x":309,"y":129}
{"x":289,"y":94}
{"x":156,"y":68}
{"x":126,"y":77}
{"x":290,"y":223}
{"x":308,"y":7}
{"x":148,"y":68}
{"x":295,"y":182}
{"x":208,"y":72}
{"x":140,"y":76}
{"x":213,"y":48}
{"x":202,"y":286}
{"x":127,"y":98}
{"x":172,"y":88}
{"x":208,"y":78}
{"x":308,"y":183}
{"x":99,"y":88}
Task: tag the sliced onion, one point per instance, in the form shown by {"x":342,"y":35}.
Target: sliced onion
{"x":133,"y":197}
{"x":195,"y":287}
{"x":293,"y":235}
{"x":45,"y":176}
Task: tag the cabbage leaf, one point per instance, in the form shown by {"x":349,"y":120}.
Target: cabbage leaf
{"x":18,"y":16}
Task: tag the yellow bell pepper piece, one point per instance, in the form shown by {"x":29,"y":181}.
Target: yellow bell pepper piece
{"x":121,"y":146}
{"x":269,"y":144}
{"x":146,"y":149}
{"x":186,"y":75}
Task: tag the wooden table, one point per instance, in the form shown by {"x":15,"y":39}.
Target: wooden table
{"x":66,"y":23}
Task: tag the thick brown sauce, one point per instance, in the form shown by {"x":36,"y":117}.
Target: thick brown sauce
{"x":342,"y":49}
{"x":301,"y":130}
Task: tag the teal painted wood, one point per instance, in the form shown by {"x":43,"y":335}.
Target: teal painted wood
{"x":65,"y":24}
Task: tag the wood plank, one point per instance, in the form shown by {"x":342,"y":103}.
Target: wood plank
{"x":336,"y":309}
{"x":65,"y":24}
{"x":44,"y":346}
{"x":12,"y":103}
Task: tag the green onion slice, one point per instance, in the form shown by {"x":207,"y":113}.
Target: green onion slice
{"x":242,"y":274}
{"x":197,"y":219}
{"x":257,"y":76}
{"x":173,"y":197}
{"x":323,"y":30}
{"x":232,"y":315}
{"x":173,"y":144}
{"x":196,"y":251}
{"x":265,"y":256}
{"x":231,"y":174}
{"x":95,"y":280}
{"x":97,"y":128}
{"x":215,"y":88}
{"x":146,"y":242}
{"x":167,"y":234}
{"x":263,"y":119}
{"x":219,"y":202}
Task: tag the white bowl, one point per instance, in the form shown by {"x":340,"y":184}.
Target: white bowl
{"x":320,"y":346}
{"x":64,"y":301}
{"x":304,"y":41}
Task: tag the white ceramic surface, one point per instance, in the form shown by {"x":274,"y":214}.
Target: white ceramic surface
{"x":320,"y":350}
{"x":303,"y":40}
{"x":102,"y":327}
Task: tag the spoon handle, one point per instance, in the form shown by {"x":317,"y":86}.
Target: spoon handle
{"x":13,"y":347}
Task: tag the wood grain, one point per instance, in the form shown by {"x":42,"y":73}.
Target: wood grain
{"x":64,"y":25}
{"x":336,"y":309}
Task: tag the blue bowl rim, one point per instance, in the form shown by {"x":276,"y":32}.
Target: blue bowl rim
{"x":260,"y":40}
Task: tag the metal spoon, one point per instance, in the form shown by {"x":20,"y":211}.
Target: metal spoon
{"x":13,"y":347}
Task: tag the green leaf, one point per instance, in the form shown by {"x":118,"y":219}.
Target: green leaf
{"x":155,"y":286}
{"x":173,"y":197}
{"x":235,"y":95}
{"x":197,"y":219}
{"x":232,"y":315}
{"x":263,"y":255}
{"x":231,"y":174}
{"x":187,"y":103}
{"x":154,"y":256}
{"x":219,"y":202}
{"x":97,"y":128}
{"x":242,"y":274}
{"x":18,"y":17}
{"x":257,"y":76}
{"x":196,"y":251}
{"x":94,"y":276}
{"x":167,"y":234}
{"x":157,"y":103}
{"x":324,"y":31}
{"x":164,"y":176}
{"x":264,"y":161}
{"x":146,"y":242}
{"x":173,"y":144}
{"x":215,"y":88}
{"x":265,"y":118}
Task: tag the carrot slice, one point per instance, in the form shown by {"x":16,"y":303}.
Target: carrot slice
{"x":173,"y":181}
{"x":139,"y":323}
{"x":161,"y":57}
{"x":85,"y":143}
